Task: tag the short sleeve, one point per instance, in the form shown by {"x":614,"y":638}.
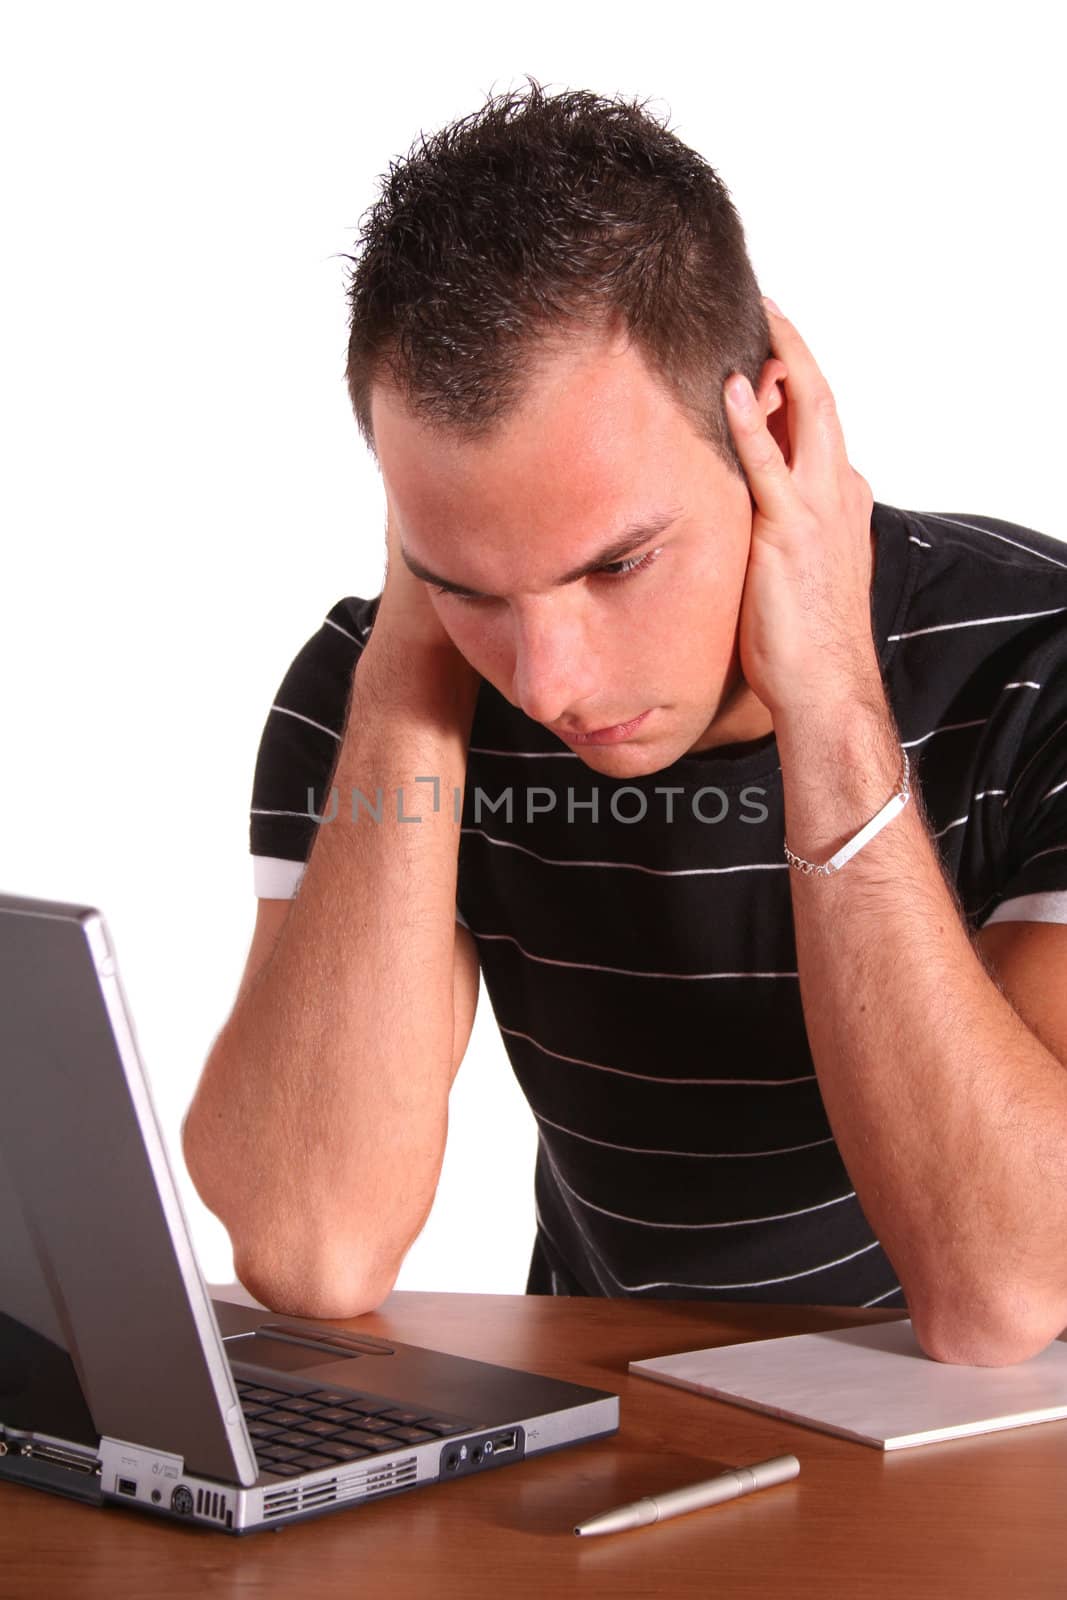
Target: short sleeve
{"x":299,"y":746}
{"x":1033,"y":884}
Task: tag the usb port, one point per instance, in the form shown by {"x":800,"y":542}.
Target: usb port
{"x":505,"y":1441}
{"x":126,"y":1486}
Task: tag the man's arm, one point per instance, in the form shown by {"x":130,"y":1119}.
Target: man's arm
{"x":318,"y":1128}
{"x":949,"y":1107}
{"x":950,"y":1112}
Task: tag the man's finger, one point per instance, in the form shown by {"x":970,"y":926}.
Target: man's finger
{"x":814,"y":426}
{"x":765,"y":467}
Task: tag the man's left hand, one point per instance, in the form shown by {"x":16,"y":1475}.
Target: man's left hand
{"x":805,"y":628}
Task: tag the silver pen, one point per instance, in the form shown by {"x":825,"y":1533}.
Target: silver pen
{"x":709,"y":1492}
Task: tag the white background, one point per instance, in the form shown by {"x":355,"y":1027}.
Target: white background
{"x":185,"y":492}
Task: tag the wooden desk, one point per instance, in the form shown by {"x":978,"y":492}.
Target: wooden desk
{"x":982,"y":1518}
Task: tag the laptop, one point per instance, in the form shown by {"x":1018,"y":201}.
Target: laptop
{"x":121,"y":1380}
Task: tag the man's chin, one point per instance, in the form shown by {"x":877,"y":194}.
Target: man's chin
{"x":629,"y":760}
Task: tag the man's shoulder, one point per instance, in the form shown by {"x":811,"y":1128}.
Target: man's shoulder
{"x":973,"y":630}
{"x":316,"y":682}
{"x":303,"y":726}
{"x":342,"y":633}
{"x":983,"y":549}
{"x":970,"y":583}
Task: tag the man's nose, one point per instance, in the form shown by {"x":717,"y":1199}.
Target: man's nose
{"x":554,"y":664}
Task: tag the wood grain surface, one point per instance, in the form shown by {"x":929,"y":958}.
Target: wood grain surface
{"x":982,"y":1518}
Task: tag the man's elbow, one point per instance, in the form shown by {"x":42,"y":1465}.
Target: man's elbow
{"x":290,"y":1289}
{"x":1016,"y":1332}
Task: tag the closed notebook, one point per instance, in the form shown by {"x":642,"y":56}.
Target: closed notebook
{"x":872,"y":1384}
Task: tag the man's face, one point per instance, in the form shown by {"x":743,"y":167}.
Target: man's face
{"x":596,"y":450}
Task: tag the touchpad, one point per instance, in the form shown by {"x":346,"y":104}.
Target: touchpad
{"x":262,"y":1351}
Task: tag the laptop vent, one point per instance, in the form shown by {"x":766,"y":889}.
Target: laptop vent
{"x":379,"y":1480}
{"x":291,"y":1500}
{"x":280,"y":1502}
{"x":287,"y":1502}
{"x":210,"y":1504}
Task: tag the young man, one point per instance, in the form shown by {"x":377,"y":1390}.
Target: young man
{"x":647,"y":658}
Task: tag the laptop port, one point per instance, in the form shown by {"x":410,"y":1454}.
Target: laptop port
{"x":182,"y":1501}
{"x":58,"y":1455}
{"x":126,"y":1486}
{"x":476,"y":1454}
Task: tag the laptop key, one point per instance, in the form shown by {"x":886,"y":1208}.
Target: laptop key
{"x":322,"y":1430}
{"x":407,"y":1417}
{"x":441,"y":1430}
{"x":276,"y":1452}
{"x":283,"y":1469}
{"x":282,"y":1419}
{"x":264,"y":1396}
{"x":335,"y":1414}
{"x":348,"y":1402}
{"x":366,"y":1441}
{"x":412,"y":1435}
{"x":340,"y":1451}
{"x":294,"y":1436}
{"x":311,"y":1463}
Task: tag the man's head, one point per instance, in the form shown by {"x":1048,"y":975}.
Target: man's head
{"x":548,"y":300}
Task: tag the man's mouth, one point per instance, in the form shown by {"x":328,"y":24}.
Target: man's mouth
{"x":613,"y":734}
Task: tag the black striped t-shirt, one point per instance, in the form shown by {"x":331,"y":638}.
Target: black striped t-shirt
{"x":637,"y":945}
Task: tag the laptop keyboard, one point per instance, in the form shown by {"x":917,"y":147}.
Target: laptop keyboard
{"x":295,"y":1433}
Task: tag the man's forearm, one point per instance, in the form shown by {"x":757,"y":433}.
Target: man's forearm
{"x":320,"y":1121}
{"x":950,"y":1114}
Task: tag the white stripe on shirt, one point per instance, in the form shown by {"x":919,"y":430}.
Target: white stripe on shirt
{"x":328,"y":622}
{"x":299,"y":715}
{"x":629,"y":866}
{"x":946,"y":727}
{"x":977,"y":622}
{"x":1042,"y":747}
{"x":625,"y":972}
{"x":649,"y":1077}
{"x":1040,"y":554}
{"x":701,"y":1227}
{"x":757,"y":1283}
{"x":688,"y":1155}
{"x":959,"y":821}
{"x":593,"y":1257}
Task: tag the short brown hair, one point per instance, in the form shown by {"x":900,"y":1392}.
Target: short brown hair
{"x":535,"y":212}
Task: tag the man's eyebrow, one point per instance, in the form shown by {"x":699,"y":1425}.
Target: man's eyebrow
{"x":630,"y":538}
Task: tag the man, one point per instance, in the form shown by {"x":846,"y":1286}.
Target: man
{"x":647,"y":661}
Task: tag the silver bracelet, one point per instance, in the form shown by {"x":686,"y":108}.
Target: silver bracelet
{"x":891,"y":809}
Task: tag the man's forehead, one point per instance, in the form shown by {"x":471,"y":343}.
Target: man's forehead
{"x":586,"y":393}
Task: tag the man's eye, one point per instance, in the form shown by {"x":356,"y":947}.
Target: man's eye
{"x":615,"y":570}
{"x":455,"y":594}
{"x":626,"y":569}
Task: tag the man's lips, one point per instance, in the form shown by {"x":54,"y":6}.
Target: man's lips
{"x":609,"y":735}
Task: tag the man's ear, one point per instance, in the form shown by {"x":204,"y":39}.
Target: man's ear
{"x":770,"y":398}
